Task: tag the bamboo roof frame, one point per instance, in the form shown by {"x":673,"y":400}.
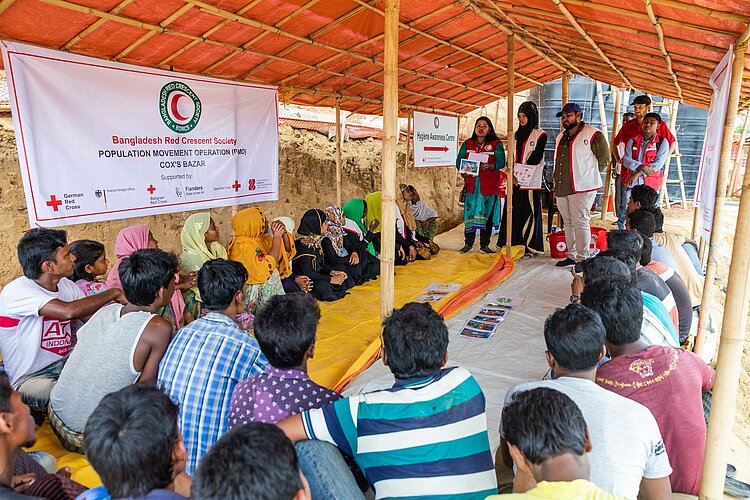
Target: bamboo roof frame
{"x":451,"y":52}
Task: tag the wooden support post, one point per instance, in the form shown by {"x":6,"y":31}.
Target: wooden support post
{"x":738,"y":159}
{"x":664,"y":193}
{"x":717,"y":228}
{"x":388,"y":172}
{"x":408,"y":148}
{"x":695,"y":232}
{"x":729,"y":361}
{"x":602,"y":109}
{"x":565,"y":92}
{"x":338,"y":152}
{"x":608,"y":188}
{"x":497,"y":111}
{"x":511,"y":146}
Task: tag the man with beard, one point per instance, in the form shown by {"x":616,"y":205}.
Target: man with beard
{"x":581,"y":154}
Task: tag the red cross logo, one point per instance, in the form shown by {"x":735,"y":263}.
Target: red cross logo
{"x":151,"y":189}
{"x":54,"y":203}
{"x":236,"y":185}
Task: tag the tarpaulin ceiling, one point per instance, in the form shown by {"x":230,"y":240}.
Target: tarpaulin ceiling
{"x":452,"y":53}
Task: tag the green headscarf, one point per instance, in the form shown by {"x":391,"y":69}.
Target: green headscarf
{"x":354,"y":210}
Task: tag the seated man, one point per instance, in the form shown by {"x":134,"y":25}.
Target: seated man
{"x":285,"y":329}
{"x":549,"y":443}
{"x":208,"y":357}
{"x":605,"y":266}
{"x":133,"y":443}
{"x":251,"y":461}
{"x":36,"y":313}
{"x":119,"y":345}
{"x":679,"y":247}
{"x":628,"y":457}
{"x":668,"y":381}
{"x":630,"y":243}
{"x":425,"y":437}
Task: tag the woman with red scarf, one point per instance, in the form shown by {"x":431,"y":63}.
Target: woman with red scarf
{"x":482,"y":204}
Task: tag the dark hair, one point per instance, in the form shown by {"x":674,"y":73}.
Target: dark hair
{"x":218,"y":281}
{"x":38,"y":246}
{"x":6,"y":391}
{"x":129,"y":440}
{"x":626,"y":242}
{"x":625,"y":115}
{"x":642,"y":221}
{"x":285,"y":328}
{"x":415,"y":340}
{"x":255,"y":460}
{"x":645,"y":195}
{"x":575,"y":336}
{"x":628,"y":260}
{"x":491,"y":134}
{"x":604,"y":266}
{"x":646,"y":251}
{"x":144,"y":272}
{"x":544,"y":423}
{"x":87,"y":252}
{"x":655,"y":116}
{"x":620,"y":307}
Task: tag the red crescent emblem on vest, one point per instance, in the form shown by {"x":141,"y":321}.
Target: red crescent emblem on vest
{"x":487,"y":147}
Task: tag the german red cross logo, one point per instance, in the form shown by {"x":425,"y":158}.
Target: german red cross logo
{"x":54,"y":203}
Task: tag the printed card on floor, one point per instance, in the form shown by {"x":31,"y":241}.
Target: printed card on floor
{"x":475,"y":334}
{"x":494,"y":312}
{"x":478,"y":325}
{"x":487,"y":319}
{"x":430,"y":297}
{"x":443,"y":288}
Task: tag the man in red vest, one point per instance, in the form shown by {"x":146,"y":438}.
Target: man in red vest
{"x":645,"y":156}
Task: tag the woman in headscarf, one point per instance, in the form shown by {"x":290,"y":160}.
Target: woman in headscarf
{"x":259,"y":253}
{"x":406,"y":249}
{"x":334,"y":248}
{"x":482,"y":203}
{"x":328,"y":283}
{"x":527,"y":203}
{"x":135,"y":238}
{"x":291,"y":282}
{"x":358,"y":238}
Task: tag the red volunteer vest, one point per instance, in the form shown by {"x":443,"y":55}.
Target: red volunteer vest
{"x":654,"y":180}
{"x":489,"y":180}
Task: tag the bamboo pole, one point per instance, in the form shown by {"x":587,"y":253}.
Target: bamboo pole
{"x":510,"y":145}
{"x":668,"y":60}
{"x":738,"y":158}
{"x":388,"y":173}
{"x":729,"y":362}
{"x":5,"y":4}
{"x":717,"y":228}
{"x":338,"y":152}
{"x":408,"y":148}
{"x":608,"y":180}
{"x":565,"y":92}
{"x":694,"y":232}
{"x":664,"y":195}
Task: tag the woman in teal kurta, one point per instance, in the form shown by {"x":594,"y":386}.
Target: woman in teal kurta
{"x":482,"y":203}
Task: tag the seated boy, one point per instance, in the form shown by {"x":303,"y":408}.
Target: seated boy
{"x":549,"y":442}
{"x":426,"y":436}
{"x":668,"y":381}
{"x":628,"y":456}
{"x":251,"y":461}
{"x":208,"y":357}
{"x":133,"y":443}
{"x":119,"y":345}
{"x":36,"y":313}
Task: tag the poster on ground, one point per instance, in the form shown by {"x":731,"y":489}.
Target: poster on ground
{"x":705,"y":187}
{"x":99,"y":140}
{"x":435,"y":140}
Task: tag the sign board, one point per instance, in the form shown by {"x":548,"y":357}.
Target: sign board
{"x":705,"y":190}
{"x":99,"y":140}
{"x":435,"y":140}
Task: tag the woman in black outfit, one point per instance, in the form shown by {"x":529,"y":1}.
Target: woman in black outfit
{"x":527,"y":203}
{"x":358,"y":238}
{"x":334,"y":248}
{"x":328,"y":283}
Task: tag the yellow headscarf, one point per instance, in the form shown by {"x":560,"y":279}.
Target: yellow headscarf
{"x":194,"y":250}
{"x":251,"y":245}
{"x":373,"y":209}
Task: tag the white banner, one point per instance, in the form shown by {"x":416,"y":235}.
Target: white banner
{"x":705,"y":187}
{"x":99,"y":140}
{"x":435,"y":140}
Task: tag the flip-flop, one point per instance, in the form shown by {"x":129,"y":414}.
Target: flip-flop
{"x":736,"y":488}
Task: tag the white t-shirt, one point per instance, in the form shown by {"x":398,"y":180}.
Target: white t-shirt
{"x":28,"y":341}
{"x":625,"y":438}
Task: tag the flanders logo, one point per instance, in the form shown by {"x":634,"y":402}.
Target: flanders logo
{"x":180,"y":115}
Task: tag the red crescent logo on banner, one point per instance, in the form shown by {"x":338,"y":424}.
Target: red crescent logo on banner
{"x":173,"y":107}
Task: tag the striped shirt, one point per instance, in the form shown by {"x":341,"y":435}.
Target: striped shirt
{"x":202,"y":365}
{"x":423,"y":438}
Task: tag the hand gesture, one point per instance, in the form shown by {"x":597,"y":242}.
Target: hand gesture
{"x":21,"y":483}
{"x":278,"y":229}
{"x":120,"y":297}
{"x":633,"y":178}
{"x":354,"y":258}
{"x":576,"y":287}
{"x":648,"y":169}
{"x":412,"y":254}
{"x":401,"y":253}
{"x":304,"y":283}
{"x":374,"y":225}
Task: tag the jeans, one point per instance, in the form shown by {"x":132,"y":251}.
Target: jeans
{"x":326,"y":471}
{"x":36,"y":387}
{"x":622,"y":206}
{"x":693,"y":254}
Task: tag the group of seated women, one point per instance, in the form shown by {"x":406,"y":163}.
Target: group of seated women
{"x":329,"y":252}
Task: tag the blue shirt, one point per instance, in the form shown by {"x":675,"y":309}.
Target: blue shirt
{"x":203,"y":363}
{"x":633,"y":163}
{"x":660,"y":254}
{"x":423,"y":438}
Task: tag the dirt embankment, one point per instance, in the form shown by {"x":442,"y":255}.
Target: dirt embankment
{"x":307,"y":179}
